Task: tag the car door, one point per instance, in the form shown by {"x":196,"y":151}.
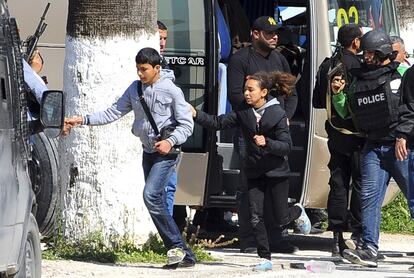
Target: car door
{"x":8,"y":177}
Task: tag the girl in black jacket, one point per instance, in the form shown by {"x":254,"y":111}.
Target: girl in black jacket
{"x":265,"y":130}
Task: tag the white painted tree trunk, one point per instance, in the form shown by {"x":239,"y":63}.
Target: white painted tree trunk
{"x":100,"y":172}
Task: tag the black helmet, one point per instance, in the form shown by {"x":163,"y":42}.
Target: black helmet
{"x":376,"y":40}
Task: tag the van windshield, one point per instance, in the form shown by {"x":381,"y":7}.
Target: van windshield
{"x":370,"y":14}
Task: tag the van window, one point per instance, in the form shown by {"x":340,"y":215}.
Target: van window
{"x":369,"y":14}
{"x":185,"y":22}
{"x":186,"y":53}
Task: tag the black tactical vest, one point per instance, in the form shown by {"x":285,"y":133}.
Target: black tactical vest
{"x":374,"y":104}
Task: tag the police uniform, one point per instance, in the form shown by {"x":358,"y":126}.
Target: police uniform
{"x":372,"y":102}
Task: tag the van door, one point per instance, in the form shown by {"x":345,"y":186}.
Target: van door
{"x":188,"y":52}
{"x":8,"y":181}
{"x":14,"y":182}
{"x":217,"y":165}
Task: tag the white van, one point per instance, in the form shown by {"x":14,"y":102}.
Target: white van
{"x":198,"y":49}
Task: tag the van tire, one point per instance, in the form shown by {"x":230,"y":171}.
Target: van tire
{"x":44,"y":177}
{"x":31,"y":259}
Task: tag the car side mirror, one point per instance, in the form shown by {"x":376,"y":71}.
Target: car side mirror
{"x":52,"y":112}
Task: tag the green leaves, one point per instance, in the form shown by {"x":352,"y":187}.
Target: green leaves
{"x":396,"y":217}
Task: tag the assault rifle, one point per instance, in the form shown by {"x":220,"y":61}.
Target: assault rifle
{"x":31,"y":42}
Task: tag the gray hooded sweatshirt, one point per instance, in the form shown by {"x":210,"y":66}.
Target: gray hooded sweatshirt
{"x":166,"y":103}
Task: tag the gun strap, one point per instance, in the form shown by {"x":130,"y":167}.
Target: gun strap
{"x":146,"y":109}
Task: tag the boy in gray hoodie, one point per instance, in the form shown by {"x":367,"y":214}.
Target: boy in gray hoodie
{"x":168,"y":108}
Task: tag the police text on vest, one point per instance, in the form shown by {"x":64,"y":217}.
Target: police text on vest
{"x":371,"y":99}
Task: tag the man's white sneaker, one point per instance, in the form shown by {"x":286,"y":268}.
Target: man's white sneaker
{"x":175,"y":256}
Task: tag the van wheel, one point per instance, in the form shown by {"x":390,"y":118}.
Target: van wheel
{"x":30,"y":265}
{"x":44,"y":177}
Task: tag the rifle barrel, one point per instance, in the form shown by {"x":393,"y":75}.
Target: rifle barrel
{"x":45,"y":12}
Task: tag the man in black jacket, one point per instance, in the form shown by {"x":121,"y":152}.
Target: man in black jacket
{"x":405,"y":131}
{"x":405,"y":134}
{"x":260,"y":56}
{"x":345,"y":149}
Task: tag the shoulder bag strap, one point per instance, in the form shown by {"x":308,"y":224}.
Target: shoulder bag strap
{"x":146,"y":109}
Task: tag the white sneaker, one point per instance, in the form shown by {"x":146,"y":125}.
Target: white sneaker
{"x":175,"y":256}
{"x":264,"y":265}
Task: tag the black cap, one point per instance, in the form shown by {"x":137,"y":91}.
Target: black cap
{"x":265,"y":23}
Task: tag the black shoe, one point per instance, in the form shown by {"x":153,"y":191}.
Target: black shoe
{"x":183,"y":263}
{"x":364,"y":257}
{"x":248,"y":250}
{"x":338,"y":246}
{"x":283,"y":247}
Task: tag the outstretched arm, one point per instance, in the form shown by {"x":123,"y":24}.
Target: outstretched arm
{"x":214,"y":122}
{"x":121,"y":107}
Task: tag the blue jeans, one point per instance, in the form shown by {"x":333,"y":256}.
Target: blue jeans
{"x":410,"y":191}
{"x":378,"y":165}
{"x":170,"y":190}
{"x":157,"y":173}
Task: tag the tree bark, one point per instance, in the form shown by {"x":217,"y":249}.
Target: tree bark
{"x":100,"y":171}
{"x":96,"y":18}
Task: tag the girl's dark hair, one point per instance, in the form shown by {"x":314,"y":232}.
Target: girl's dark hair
{"x":148,"y":55}
{"x":278,"y":83}
{"x":262,"y":78}
{"x":283,"y":83}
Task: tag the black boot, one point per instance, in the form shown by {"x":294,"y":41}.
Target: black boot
{"x":338,"y":244}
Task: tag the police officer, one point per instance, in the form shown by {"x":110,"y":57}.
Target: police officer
{"x":344,"y":147}
{"x":372,"y":100}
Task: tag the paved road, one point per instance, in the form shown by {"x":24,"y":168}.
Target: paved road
{"x":398,"y":249}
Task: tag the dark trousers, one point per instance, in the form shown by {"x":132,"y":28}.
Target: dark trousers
{"x":268,"y":198}
{"x":245,"y":231}
{"x":344,"y":166}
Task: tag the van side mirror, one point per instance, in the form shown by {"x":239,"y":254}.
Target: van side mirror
{"x":52,"y":112}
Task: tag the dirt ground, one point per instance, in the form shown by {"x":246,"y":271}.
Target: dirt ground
{"x":398,"y":249}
